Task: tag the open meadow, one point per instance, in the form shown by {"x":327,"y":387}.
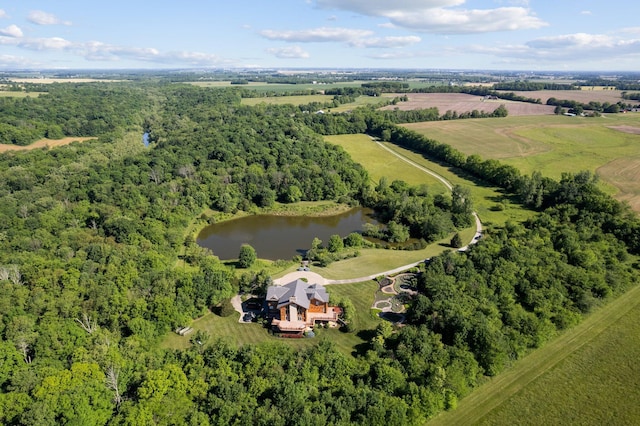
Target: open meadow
{"x":306,"y":99}
{"x":608,"y":145}
{"x":282,"y":100}
{"x":11,"y":94}
{"x":43,"y":143}
{"x":491,"y":204}
{"x":589,"y":375}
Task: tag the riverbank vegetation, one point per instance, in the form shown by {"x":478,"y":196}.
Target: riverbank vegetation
{"x":96,"y":272}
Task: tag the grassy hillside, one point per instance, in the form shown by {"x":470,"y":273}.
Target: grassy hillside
{"x":553,"y":145}
{"x":588,"y":376}
{"x":490,"y":203}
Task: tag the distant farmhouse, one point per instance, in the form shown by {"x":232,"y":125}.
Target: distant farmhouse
{"x":298,"y":306}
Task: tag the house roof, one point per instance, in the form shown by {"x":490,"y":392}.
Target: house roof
{"x":298,"y":292}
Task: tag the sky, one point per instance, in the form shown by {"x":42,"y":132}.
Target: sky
{"x":528,"y":35}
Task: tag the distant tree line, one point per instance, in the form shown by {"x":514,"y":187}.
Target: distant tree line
{"x":527,"y":86}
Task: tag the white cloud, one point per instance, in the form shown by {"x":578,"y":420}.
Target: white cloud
{"x":40,"y":17}
{"x":383,"y":7}
{"x":10,"y":61}
{"x":292,"y":52}
{"x":586,"y":12}
{"x":323,"y":34}
{"x":631,"y":30}
{"x":98,"y":51}
{"x":11,"y":31}
{"x":397,"y":54}
{"x":572,"y":41}
{"x":352,"y":37}
{"x":580,"y":47}
{"x":450,"y":21}
{"x":439,"y":16}
{"x":385,"y":42}
{"x":3,"y":14}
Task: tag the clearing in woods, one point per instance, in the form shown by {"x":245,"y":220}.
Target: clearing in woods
{"x":43,"y":143}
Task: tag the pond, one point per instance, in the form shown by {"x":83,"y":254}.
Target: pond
{"x":279,"y":237}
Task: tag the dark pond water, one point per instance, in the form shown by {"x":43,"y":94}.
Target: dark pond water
{"x":145,"y":139}
{"x":279,"y":237}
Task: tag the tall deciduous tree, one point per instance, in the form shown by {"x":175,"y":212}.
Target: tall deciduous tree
{"x":247,"y":256}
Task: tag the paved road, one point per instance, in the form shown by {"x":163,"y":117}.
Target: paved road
{"x":315,"y":278}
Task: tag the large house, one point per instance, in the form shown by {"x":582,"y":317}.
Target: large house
{"x":296,"y":306}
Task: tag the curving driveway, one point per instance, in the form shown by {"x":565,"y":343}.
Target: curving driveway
{"x":313,"y":277}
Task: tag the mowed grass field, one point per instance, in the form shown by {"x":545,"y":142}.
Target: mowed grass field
{"x":553,"y":145}
{"x":590,"y":375}
{"x":229,"y":329}
{"x":379,"y":163}
{"x":490,"y":203}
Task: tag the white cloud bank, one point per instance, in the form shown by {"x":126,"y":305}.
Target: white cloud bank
{"x":98,"y":51}
{"x":578,"y":47}
{"x":323,"y":34}
{"x":441,"y":16}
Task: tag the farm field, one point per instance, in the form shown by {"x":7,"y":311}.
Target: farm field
{"x":589,"y":376}
{"x":230,"y":330}
{"x":277,"y":87}
{"x":62,"y":80}
{"x":608,"y":145}
{"x":461,"y":102}
{"x":43,"y":143}
{"x":585,"y":95}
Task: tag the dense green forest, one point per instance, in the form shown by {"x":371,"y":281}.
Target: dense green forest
{"x":90,"y":235}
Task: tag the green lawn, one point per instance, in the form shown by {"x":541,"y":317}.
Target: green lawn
{"x":230,"y":330}
{"x":589,"y":375}
{"x":375,"y":261}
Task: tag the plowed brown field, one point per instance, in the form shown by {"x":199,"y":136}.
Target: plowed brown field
{"x":584,"y":96}
{"x":461,"y":103}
